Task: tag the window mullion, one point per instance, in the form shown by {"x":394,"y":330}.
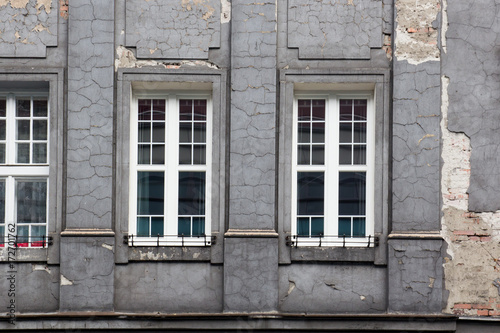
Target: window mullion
{"x":11,"y":130}
{"x":171,"y":165}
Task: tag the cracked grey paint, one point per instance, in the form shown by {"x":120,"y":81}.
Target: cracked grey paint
{"x":29,"y":30}
{"x":37,"y":288}
{"x":339,"y":29}
{"x":173,"y":29}
{"x":253,"y":115}
{"x":416,"y":155}
{"x":471,"y":64}
{"x":312,"y":288}
{"x":88,"y":270}
{"x":90,"y":114}
{"x":168,"y":287}
{"x":250,"y":274}
{"x":415,"y":275}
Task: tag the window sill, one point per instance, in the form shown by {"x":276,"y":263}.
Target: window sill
{"x":24,"y":255}
{"x":340,"y":254}
{"x":169,"y":253}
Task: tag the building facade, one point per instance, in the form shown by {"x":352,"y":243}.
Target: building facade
{"x":305,"y":165}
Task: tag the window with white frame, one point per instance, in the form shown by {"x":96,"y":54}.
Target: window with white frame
{"x":24,"y":168}
{"x":170,"y":174}
{"x":333,"y":169}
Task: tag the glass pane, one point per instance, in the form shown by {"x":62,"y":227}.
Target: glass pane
{"x":158,"y":132}
{"x":317,"y":224}
{"x":359,"y":155}
{"x":39,"y":129}
{"x":184,"y":226}
{"x":360,"y":132}
{"x":310,"y":193}
{"x":345,"y":154}
{"x":358,"y":227}
{"x":23,"y":130}
{"x":303,"y":154}
{"x":200,"y":132}
{"x":185,"y":134}
{"x":150,"y":193}
{"x":3,"y":129}
{"x":303,"y":226}
{"x":144,"y":112}
{"x":23,"y":153}
{"x":31,"y":202}
{"x":22,"y":236}
{"x":318,"y":109}
{"x":184,"y":154}
{"x":38,"y":235}
{"x":143,"y":226}
{"x":40,"y":107}
{"x":352,"y":193}
{"x":345,"y":226}
{"x":157,"y":226}
{"x":2,"y":153}
{"x":2,"y":201}
{"x":158,"y":109}
{"x":158,"y":154}
{"x":191,"y":193}
{"x":318,"y":155}
{"x":23,"y":108}
{"x":3,"y":107}
{"x":359,"y":109}
{"x":185,"y":109}
{"x":143,"y":154}
{"x":318,"y":132}
{"x":200,"y":109}
{"x":198,"y":226}
{"x":39,"y":153}
{"x":199,"y":152}
{"x":345,"y":134}
{"x":304,"y":135}
{"x":144,"y":134}
{"x":345,"y":109}
{"x":304,"y":112}
{"x":2,"y":236}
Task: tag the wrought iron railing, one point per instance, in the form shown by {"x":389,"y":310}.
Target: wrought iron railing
{"x":332,"y":240}
{"x":26,"y":241}
{"x":169,"y":240}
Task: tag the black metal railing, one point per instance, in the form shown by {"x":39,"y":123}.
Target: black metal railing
{"x":26,"y":241}
{"x":333,"y":240}
{"x":169,"y":240}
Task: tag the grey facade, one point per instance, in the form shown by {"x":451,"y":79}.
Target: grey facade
{"x":433,"y":69}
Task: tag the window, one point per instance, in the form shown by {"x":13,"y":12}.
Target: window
{"x":170,"y":173}
{"x":333,"y":167}
{"x":24,"y":168}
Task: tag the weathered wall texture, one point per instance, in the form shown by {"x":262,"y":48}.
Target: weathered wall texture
{"x":173,"y":29}
{"x":327,"y":29}
{"x":470,"y":163}
{"x":27,"y":27}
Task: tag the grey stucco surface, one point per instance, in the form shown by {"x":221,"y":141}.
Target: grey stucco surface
{"x":87,"y":274}
{"x":168,"y":287}
{"x":90,"y":114}
{"x":471,"y":64}
{"x":415,"y":275}
{"x":173,"y":29}
{"x":253,"y":115}
{"x":27,"y":29}
{"x":326,"y":288}
{"x":326,"y":30}
{"x":416,"y":142}
{"x":36,"y":287}
{"x":250,"y":274}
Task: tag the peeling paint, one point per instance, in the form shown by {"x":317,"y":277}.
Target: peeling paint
{"x":65,"y":281}
{"x":38,"y":267}
{"x":107,"y":246}
{"x":225,"y":14}
{"x":46,"y":4}
{"x":291,"y":287}
{"x":14,"y":3}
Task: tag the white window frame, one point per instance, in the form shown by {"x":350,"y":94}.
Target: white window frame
{"x":331,"y":168}
{"x":11,"y":172}
{"x":171,"y":169}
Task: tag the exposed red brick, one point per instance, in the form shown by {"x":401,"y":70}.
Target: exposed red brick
{"x":464,"y":232}
{"x":494,"y":313}
{"x":483,"y":312}
{"x":482,"y":306}
{"x":462,"y":306}
{"x":474,"y":238}
{"x":485,"y":239}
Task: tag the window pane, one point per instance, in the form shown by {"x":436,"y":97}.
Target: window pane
{"x":358,"y":227}
{"x":2,"y":153}
{"x":310,"y":193}
{"x":40,"y":107}
{"x":184,"y":154}
{"x":184,"y":226}
{"x":23,"y":108}
{"x":304,"y":112}
{"x":318,"y":109}
{"x":143,"y":154}
{"x":198,"y":226}
{"x":303,"y":154}
{"x":359,"y":109}
{"x":345,"y":154}
{"x":191,"y":193}
{"x":39,"y":153}
{"x":158,"y":132}
{"x":158,"y":109}
{"x":31,"y":201}
{"x":143,"y":226}
{"x":3,"y":107}
{"x":2,"y":201}
{"x":200,"y":132}
{"x":359,"y":154}
{"x":317,"y":226}
{"x":345,"y":109}
{"x":199,"y":152}
{"x":157,"y":226}
{"x":2,"y":236}
{"x":200,"y":109}
{"x":23,"y":130}
{"x":39,"y":129}
{"x":144,"y":112}
{"x":304,"y":135}
{"x":360,"y":132}
{"x":303,"y":226}
{"x":318,"y":132}
{"x":158,"y":154}
{"x":352,"y":193}
{"x":23,"y":235}
{"x":185,"y":109}
{"x":185,"y":134}
{"x":345,"y":226}
{"x":150,"y":193}
{"x":38,"y":235}
{"x":3,"y":130}
{"x":23,"y":153}
{"x":144,"y":134}
{"x":318,"y":155}
{"x":345,"y":133}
